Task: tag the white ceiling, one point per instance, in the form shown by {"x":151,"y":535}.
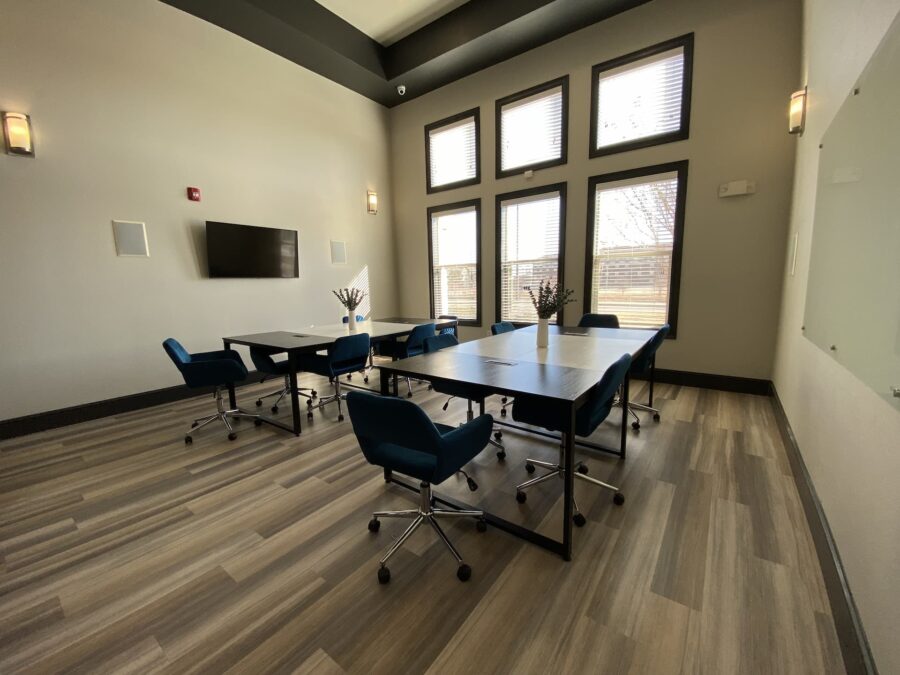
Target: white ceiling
{"x":387,"y":21}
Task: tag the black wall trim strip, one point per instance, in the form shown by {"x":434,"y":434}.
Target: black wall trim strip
{"x":741,"y":385}
{"x":53,"y":419}
{"x":852,"y":637}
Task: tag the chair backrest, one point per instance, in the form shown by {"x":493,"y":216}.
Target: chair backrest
{"x":606,"y":388}
{"x":176,"y":352}
{"x":599,"y":321}
{"x":417,"y":335}
{"x":350,"y":350}
{"x":642,"y":362}
{"x":387,"y":419}
{"x":449,"y":330}
{"x":262,"y":359}
{"x":359,"y":317}
{"x":502,"y":327}
{"x":438,"y":342}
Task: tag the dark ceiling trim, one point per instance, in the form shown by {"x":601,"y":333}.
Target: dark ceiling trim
{"x":474,"y":36}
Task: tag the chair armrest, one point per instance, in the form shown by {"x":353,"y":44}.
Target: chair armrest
{"x":214,"y":372}
{"x":476,"y":433}
{"x":217,"y":355}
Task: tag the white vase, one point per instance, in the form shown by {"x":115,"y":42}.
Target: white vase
{"x":351,"y":320}
{"x":543,"y":333}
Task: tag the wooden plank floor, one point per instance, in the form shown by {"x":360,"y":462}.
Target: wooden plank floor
{"x":123,"y":550}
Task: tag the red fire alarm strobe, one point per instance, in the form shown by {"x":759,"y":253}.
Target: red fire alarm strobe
{"x":193,"y":194}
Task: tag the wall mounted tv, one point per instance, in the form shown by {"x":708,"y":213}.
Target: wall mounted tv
{"x":246,"y":251}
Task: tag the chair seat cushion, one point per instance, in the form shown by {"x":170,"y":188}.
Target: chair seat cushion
{"x":413,"y":463}
{"x":314,"y":363}
{"x":459,"y":390}
{"x":539,"y":413}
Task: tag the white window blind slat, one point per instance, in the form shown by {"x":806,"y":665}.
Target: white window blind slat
{"x":640,"y":99}
{"x":634,"y":235}
{"x":454,"y":263}
{"x":529,"y":251}
{"x":531,"y":129}
{"x":452,"y":152}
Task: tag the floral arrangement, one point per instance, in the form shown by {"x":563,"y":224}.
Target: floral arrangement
{"x":550,"y":298}
{"x":351,"y":298}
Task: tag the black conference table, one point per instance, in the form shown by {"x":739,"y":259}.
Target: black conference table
{"x":316,"y":338}
{"x":510,"y":364}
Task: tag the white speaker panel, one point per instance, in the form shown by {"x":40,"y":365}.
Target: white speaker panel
{"x":131,"y":238}
{"x":338,"y":252}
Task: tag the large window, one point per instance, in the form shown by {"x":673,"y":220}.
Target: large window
{"x":635,"y":226}
{"x":531,"y":228}
{"x":532,"y":128}
{"x":454,"y":253}
{"x":643,"y":98}
{"x":452,"y":152}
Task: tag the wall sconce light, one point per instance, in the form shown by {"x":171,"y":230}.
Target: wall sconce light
{"x":17,"y":132}
{"x":371,"y":202}
{"x":797,"y":112}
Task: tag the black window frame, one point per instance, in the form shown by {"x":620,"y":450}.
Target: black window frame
{"x":454,"y":207}
{"x":562,"y":82}
{"x":563,"y":206}
{"x":476,"y":114}
{"x":681,"y":169}
{"x":680,"y":134}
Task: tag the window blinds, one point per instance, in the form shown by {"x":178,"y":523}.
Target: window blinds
{"x":451,"y":152}
{"x":454,"y":263}
{"x":529,"y":251}
{"x":640,"y":99}
{"x":531,"y":129}
{"x":634,"y":230}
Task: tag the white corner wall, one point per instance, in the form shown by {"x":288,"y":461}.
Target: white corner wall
{"x":849,"y":436}
{"x":132,"y":101}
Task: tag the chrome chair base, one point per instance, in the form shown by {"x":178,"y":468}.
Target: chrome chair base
{"x":337,"y":396}
{"x":632,"y":406}
{"x":558,"y":471}
{"x":223,"y":416}
{"x":496,"y":441}
{"x":286,"y":391}
{"x":426,"y":513}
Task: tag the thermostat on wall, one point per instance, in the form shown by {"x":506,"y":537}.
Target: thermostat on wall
{"x":737,"y":187}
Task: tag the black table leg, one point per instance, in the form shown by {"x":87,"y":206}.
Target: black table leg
{"x":624,"y":438}
{"x":652,"y":378}
{"x":295,"y":397}
{"x":568,"y":439}
{"x":385,"y":382}
{"x":232,"y":398}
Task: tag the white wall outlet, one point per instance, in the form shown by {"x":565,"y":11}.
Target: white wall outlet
{"x":737,"y":187}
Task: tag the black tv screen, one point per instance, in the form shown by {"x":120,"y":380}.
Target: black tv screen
{"x":245,"y":251}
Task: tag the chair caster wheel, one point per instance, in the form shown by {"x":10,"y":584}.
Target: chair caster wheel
{"x":313,"y":393}
{"x":498,"y":435}
{"x":579,"y":520}
{"x":656,"y":417}
{"x":366,"y":379}
{"x":188,"y":440}
{"x":582,"y":468}
{"x":529,"y":467}
{"x":409,"y":395}
{"x":258,"y":402}
{"x":193,"y":425}
{"x":232,"y":436}
{"x":501,"y":455}
{"x":374,"y":525}
{"x":309,"y":414}
{"x":349,"y":377}
{"x":472,"y":484}
{"x":340,"y":418}
{"x":384,"y":575}
{"x":257,"y":422}
{"x":618,"y":499}
{"x":503,"y":399}
{"x":521,"y":497}
{"x":274,"y":408}
{"x":502,"y":412}
{"x":636,"y":426}
{"x":430,"y":387}
{"x":463,"y":572}
{"x":481,"y":525}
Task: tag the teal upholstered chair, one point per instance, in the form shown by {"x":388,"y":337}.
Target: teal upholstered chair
{"x":413,"y":345}
{"x":397,"y":435}
{"x":269,"y":367}
{"x":599,"y":321}
{"x":210,"y":369}
{"x":502,"y":327}
{"x":344,"y":355}
{"x":536,"y":413}
{"x":644,"y":367}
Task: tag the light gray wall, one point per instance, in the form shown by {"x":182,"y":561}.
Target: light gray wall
{"x":849,"y":436}
{"x":746,"y":64}
{"x":133,"y":101}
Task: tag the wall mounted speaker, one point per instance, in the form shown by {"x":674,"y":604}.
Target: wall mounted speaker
{"x":338,"y":252}
{"x":131,"y":238}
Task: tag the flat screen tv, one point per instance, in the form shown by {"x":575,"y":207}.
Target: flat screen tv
{"x":246,"y":251}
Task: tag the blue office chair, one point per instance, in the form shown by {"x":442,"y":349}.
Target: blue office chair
{"x":344,"y":355}
{"x":644,"y":367}
{"x":398,"y":436}
{"x":210,"y":369}
{"x":530,"y":410}
{"x":413,"y":346}
{"x":359,"y":317}
{"x":364,"y":371}
{"x":599,"y":321}
{"x":502,"y":327}
{"x":265,"y":364}
{"x":450,"y":330}
{"x":460,"y":390}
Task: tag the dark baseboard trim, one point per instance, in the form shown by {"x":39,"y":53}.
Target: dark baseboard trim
{"x":741,"y":385}
{"x":52,"y":419}
{"x":852,"y":637}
